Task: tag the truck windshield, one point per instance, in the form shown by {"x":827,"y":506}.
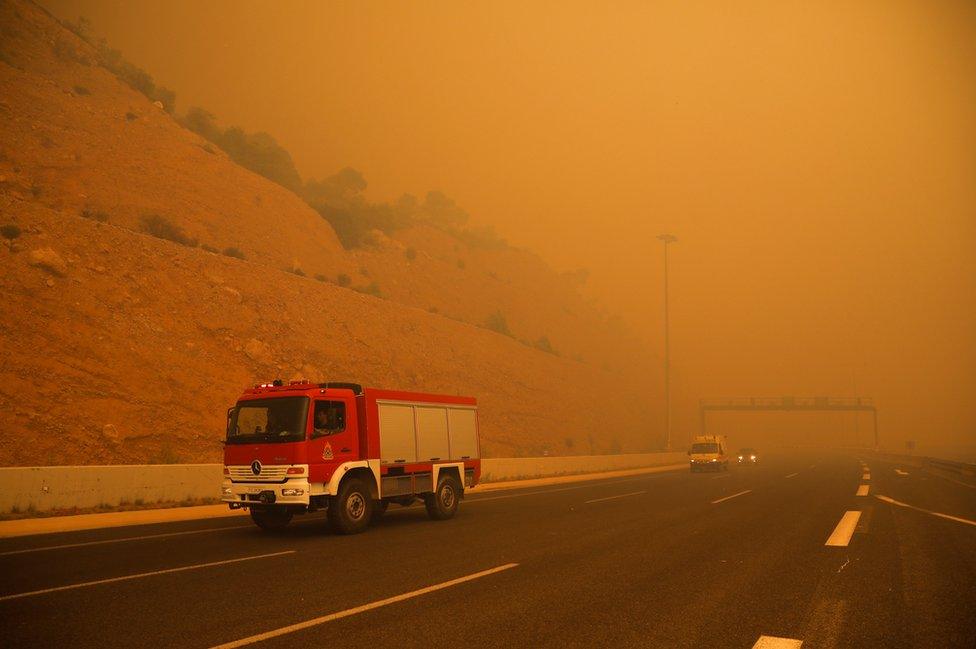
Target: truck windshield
{"x":704,"y":448}
{"x":268,"y":421}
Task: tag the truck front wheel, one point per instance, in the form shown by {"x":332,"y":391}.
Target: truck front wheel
{"x":351,"y":510}
{"x":443,"y":503}
{"x":271,"y":519}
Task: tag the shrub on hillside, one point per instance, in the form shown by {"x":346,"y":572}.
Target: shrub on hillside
{"x":321,"y":278}
{"x":497,"y":323}
{"x":297,"y":271}
{"x":162,"y":228}
{"x":259,"y":152}
{"x":343,"y":280}
{"x":10,"y":231}
{"x":236,"y":253}
{"x":113,"y":61}
{"x":94,"y":215}
{"x":411,"y":253}
{"x":461,"y":264}
{"x":82,"y":90}
{"x":543,"y":344}
{"x":208,"y":248}
{"x":371,"y":289}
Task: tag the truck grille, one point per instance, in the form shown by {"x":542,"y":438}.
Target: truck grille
{"x":270,"y":473}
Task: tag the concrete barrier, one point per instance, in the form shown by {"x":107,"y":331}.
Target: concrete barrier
{"x":44,"y":488}
{"x":41,"y":488}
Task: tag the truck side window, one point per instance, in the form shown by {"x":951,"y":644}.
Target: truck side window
{"x":330,"y":418}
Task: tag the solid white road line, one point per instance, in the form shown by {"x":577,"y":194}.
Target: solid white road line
{"x":715,"y":502}
{"x":772,"y":642}
{"x":927,"y":511}
{"x":359,"y":609}
{"x":844,"y":530}
{"x":792,"y":475}
{"x":475,"y":498}
{"x":900,"y":472}
{"x":863,"y":490}
{"x":143,"y":574}
{"x":122,"y":540}
{"x":600,"y":500}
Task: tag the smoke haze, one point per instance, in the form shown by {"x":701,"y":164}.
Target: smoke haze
{"x":815,"y":161}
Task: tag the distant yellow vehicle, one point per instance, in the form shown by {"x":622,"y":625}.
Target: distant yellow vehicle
{"x":709,"y":453}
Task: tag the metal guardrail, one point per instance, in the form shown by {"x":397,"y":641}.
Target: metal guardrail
{"x":962,"y":468}
{"x":967,"y":469}
{"x":789,"y":402}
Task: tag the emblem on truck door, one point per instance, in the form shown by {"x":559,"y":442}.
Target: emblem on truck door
{"x":256,"y":467}
{"x":327,"y":452}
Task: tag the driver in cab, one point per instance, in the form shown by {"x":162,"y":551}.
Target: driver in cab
{"x":328,"y":419}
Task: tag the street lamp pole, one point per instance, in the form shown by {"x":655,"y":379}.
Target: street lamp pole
{"x":667,"y":238}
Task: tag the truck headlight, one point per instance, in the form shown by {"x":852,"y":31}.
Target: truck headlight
{"x":227,"y":491}
{"x":292,"y":492}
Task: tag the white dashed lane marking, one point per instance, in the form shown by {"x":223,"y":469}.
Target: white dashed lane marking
{"x":741,"y":493}
{"x":863,"y":490}
{"x":842,"y":534}
{"x":773,"y":642}
{"x":360,"y":609}
{"x":143,"y":574}
{"x":600,"y":500}
{"x":124,"y":539}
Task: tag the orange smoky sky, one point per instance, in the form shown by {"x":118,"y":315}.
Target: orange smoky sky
{"x":815,"y":160}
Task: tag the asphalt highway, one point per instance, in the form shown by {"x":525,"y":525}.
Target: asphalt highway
{"x":784,"y":550}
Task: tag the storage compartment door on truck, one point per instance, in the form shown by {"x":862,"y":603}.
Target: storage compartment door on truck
{"x":334,"y":438}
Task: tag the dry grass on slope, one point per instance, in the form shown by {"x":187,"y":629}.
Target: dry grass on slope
{"x":77,"y":139}
{"x":119,"y":347}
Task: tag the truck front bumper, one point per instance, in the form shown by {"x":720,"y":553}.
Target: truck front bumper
{"x":244,"y":494}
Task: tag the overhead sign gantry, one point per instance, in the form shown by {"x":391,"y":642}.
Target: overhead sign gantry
{"x":789,"y":404}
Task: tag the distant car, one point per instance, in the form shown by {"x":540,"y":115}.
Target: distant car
{"x":748,"y":455}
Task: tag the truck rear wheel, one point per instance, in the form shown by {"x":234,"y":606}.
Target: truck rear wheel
{"x":351,"y":511}
{"x":271,"y":519}
{"x":443,"y":503}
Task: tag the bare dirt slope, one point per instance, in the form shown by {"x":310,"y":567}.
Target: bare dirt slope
{"x":76,"y":138}
{"x":119,"y":347}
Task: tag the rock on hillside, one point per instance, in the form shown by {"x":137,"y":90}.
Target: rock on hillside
{"x":135,"y":351}
{"x":77,"y":139}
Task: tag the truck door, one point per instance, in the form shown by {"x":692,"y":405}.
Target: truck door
{"x":335,"y":437}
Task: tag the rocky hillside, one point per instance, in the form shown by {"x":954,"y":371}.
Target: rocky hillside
{"x":147,"y":278}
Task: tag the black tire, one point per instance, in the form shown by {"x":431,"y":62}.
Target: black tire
{"x":379,"y":508}
{"x":350,"y":512}
{"x":271,"y":520}
{"x":443,"y":503}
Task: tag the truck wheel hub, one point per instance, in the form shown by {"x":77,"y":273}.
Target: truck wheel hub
{"x":355,"y":506}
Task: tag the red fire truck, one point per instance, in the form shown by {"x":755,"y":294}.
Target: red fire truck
{"x":301,"y":447}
